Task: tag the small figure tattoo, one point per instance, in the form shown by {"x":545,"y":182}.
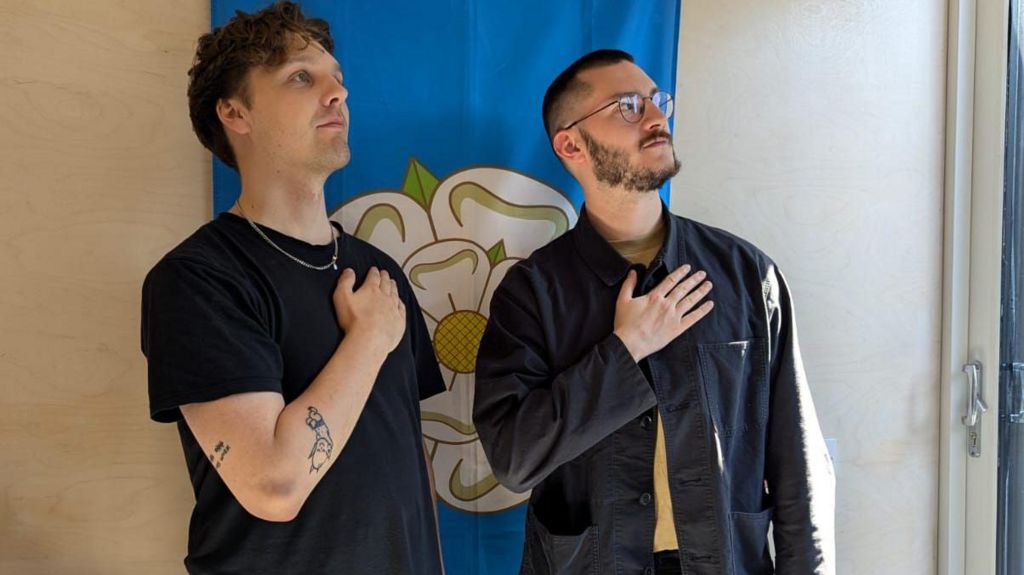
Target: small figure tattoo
{"x":323,"y":445}
{"x":221,"y":448}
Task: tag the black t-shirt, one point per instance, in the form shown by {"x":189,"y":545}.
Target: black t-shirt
{"x":225,"y":313}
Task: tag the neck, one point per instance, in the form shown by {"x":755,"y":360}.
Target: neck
{"x":291,"y":205}
{"x":620,"y":215}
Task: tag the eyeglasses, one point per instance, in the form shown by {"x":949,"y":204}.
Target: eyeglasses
{"x":633,"y":106}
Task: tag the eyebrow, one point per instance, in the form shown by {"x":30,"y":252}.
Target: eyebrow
{"x":308,"y":60}
{"x":618,"y":95}
{"x":299,"y":62}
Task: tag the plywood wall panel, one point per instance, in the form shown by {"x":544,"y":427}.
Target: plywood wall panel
{"x":99,"y":176}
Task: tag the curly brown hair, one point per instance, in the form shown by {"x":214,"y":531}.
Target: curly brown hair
{"x":226,"y":54}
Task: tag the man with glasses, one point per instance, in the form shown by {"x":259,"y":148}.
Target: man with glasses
{"x":660,"y":432}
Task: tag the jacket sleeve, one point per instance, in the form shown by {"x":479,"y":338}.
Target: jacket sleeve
{"x":530,"y":419}
{"x":800,"y":477}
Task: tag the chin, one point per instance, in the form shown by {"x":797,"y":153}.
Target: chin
{"x":327,"y":166}
{"x":671,"y":163}
{"x":336,"y":160}
{"x":343,"y":159}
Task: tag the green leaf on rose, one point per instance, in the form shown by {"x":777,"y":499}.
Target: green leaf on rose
{"x":419,"y":183}
{"x":497,"y":252}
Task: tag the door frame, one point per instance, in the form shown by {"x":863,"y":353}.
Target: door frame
{"x":975,"y":152}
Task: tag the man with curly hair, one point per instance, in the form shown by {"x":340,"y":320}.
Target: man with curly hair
{"x":291,"y":355}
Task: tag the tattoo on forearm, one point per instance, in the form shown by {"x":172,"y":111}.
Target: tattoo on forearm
{"x":323,"y":445}
{"x":222,"y":449}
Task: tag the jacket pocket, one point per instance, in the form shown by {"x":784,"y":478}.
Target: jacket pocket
{"x":750,"y":554}
{"x":735,"y":379}
{"x":547,"y":553}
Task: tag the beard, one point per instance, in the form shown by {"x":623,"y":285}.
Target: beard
{"x":612,"y":167}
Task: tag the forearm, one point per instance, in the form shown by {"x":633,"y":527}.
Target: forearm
{"x":801,"y":483}
{"x":306,"y":446}
{"x":804,"y":497}
{"x":528,"y":432}
{"x":272,"y":455}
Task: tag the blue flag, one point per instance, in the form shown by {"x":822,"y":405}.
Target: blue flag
{"x":453,"y":176}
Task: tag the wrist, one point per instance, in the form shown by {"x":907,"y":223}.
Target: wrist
{"x":631,"y":345}
{"x":368,"y":342}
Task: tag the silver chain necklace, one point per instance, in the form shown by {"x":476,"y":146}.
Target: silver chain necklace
{"x":334,"y":259}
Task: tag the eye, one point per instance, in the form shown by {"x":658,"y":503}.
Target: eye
{"x":303,"y":77}
{"x":630,"y":104}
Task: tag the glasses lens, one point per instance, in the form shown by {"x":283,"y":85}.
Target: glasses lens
{"x":663,"y":100}
{"x":632,"y":107}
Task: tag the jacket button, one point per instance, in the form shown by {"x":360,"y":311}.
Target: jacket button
{"x":648,"y":571}
{"x":645,"y":499}
{"x":646,"y":421}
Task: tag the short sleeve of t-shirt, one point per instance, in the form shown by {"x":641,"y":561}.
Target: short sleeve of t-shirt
{"x":428,"y":374}
{"x":206,"y":335}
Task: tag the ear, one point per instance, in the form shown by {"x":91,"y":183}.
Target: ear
{"x":568,"y":147}
{"x":234,"y":115}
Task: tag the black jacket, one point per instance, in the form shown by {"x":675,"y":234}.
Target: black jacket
{"x":562,"y":408}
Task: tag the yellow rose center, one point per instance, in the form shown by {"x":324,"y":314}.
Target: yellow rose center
{"x":457,"y":340}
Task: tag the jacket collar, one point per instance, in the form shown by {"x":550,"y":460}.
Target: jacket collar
{"x":611,"y":267}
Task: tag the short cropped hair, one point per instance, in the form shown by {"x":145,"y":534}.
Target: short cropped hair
{"x":567,"y":87}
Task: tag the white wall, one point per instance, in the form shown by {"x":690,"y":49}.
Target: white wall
{"x":815,"y":129}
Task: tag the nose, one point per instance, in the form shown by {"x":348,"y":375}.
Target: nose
{"x":335,"y":94}
{"x":653,"y":116}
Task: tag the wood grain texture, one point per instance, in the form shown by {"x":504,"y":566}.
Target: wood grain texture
{"x":815,"y":130}
{"x":100,"y":175}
